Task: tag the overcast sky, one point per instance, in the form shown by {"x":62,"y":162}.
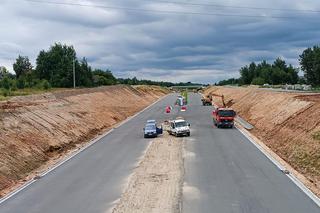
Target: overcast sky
{"x":198,"y":43}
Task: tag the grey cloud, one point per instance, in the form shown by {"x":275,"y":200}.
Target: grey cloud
{"x":160,"y":46}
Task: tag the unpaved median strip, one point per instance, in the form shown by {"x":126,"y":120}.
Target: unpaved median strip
{"x":156,"y":184}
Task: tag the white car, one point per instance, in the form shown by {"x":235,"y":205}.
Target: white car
{"x":179,"y":127}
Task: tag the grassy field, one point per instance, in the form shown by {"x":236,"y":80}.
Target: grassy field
{"x":5,"y":95}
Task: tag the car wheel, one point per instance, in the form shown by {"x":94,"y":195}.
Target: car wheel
{"x":188,"y":134}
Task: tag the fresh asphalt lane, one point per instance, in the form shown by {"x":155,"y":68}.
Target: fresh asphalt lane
{"x":225,"y":173}
{"x":94,"y":179}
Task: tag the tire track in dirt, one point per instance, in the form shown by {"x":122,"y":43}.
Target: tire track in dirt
{"x":156,"y":184}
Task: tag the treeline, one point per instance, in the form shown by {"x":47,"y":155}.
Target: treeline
{"x":54,"y":68}
{"x":281,"y":73}
{"x":135,"y":81}
{"x":264,"y":73}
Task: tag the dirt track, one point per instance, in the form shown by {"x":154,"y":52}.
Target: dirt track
{"x":37,"y":130}
{"x":156,"y":184}
{"x":288,"y":123}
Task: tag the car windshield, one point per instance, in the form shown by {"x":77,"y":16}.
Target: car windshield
{"x":226,"y":113}
{"x":181,"y":124}
{"x":150,"y":127}
{"x":151,"y":121}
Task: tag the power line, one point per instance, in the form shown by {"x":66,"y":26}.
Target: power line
{"x":159,"y":11}
{"x":236,"y":7}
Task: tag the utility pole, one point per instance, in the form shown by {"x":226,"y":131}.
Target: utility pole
{"x":74,"y":74}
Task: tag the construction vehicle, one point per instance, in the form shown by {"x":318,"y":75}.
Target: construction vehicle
{"x":223,"y":116}
{"x":206,"y":100}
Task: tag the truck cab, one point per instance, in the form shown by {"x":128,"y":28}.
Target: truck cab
{"x":179,"y":127}
{"x":223,"y":117}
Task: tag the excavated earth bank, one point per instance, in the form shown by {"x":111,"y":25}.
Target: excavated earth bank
{"x":38,"y":129}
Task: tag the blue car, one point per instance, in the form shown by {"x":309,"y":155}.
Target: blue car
{"x":151,"y":130}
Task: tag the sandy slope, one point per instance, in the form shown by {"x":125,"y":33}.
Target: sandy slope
{"x":38,"y":129}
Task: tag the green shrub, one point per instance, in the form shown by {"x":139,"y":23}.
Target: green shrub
{"x":21,"y":83}
{"x":13,"y":85}
{"x":43,"y":84}
{"x":46,"y":85}
{"x":6,"y":92}
{"x":5,"y":83}
{"x":258,"y":81}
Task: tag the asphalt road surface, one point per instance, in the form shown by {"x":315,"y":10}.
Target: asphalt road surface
{"x":224,"y":172}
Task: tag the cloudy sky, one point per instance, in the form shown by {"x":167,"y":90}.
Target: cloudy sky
{"x":181,"y":40}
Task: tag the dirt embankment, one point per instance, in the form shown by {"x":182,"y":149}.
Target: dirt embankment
{"x":156,"y":184}
{"x":36,"y":129}
{"x":288,"y":123}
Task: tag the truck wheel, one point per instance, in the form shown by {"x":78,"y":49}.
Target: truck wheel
{"x":214,"y":122}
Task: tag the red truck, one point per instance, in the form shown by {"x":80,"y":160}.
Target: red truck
{"x":223,"y":117}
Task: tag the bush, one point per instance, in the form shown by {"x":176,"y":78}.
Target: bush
{"x":21,"y":83}
{"x":46,"y":85}
{"x":13,"y":85}
{"x":6,"y":92}
{"x":258,"y":81}
{"x":5,"y":83}
{"x":43,"y":84}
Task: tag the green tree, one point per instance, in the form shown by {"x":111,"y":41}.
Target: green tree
{"x":278,"y":76}
{"x":245,"y":76}
{"x":6,"y":83}
{"x":252,"y":71}
{"x":56,"y":65}
{"x":101,"y":77}
{"x":310,"y":65}
{"x":281,"y":64}
{"x":83,"y":73}
{"x":293,"y":76}
{"x":277,"y":73}
{"x":22,"y":66}
{"x":3,"y":72}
